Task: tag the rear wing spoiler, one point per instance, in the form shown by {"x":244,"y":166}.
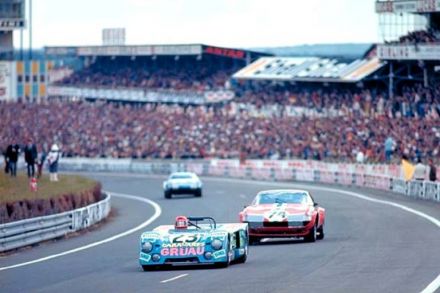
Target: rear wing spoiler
{"x":194,"y":221}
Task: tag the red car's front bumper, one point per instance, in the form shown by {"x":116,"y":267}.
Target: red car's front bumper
{"x":283,"y":230}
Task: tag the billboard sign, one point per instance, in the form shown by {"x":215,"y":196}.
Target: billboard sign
{"x":142,"y":50}
{"x":113,"y":36}
{"x":408,"y":6}
{"x":225,"y":52}
{"x":409,"y":52}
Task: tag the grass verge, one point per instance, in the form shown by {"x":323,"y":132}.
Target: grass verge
{"x":17,"y":188}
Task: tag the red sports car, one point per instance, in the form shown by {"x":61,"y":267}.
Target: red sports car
{"x":284,"y":213}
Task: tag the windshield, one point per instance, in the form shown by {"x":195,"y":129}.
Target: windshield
{"x":282,"y":197}
{"x":181,"y":176}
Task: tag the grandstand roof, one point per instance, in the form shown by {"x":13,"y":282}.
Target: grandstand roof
{"x":153,"y":50}
{"x":348,"y":51}
{"x":308,"y":69}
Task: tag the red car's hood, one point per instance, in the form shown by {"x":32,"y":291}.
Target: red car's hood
{"x":276,"y":212}
{"x":290,"y":208}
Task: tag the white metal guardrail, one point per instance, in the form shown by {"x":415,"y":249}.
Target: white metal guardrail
{"x":26,"y":232}
{"x":279,"y":172}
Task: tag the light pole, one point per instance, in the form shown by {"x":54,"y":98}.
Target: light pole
{"x":30,"y":30}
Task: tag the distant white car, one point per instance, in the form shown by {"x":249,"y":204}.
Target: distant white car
{"x":182,"y":183}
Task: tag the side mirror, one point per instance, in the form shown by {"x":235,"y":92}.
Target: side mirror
{"x":245,"y":206}
{"x":315,"y":204}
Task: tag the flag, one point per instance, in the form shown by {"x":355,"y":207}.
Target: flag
{"x":408,"y":169}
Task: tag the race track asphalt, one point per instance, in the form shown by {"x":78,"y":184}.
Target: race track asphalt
{"x":368,"y":246}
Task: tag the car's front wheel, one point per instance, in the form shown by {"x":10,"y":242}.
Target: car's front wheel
{"x":224,"y":264}
{"x":320,"y":232}
{"x":198,"y":192}
{"x":311,"y":237}
{"x":254,"y":240}
{"x":147,"y":268}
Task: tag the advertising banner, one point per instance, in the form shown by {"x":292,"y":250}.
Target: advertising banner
{"x":7,"y":81}
{"x":409,"y":52}
{"x":141,"y":50}
{"x":139,"y":95}
{"x":312,"y":171}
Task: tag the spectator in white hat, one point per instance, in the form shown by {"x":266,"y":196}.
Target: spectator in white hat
{"x":53,"y":158}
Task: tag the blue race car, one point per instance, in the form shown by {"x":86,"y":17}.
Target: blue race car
{"x":190,"y":242}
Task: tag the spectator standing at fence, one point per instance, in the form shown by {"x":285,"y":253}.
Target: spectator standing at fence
{"x":6,"y":162}
{"x":30,"y":157}
{"x":389,"y":146}
{"x":40,"y":161}
{"x":12,"y":153}
{"x":52,"y":159}
{"x":432,"y":171}
{"x":360,"y":157}
{"x":420,"y":170}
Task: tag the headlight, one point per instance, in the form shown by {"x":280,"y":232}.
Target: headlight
{"x":147,"y":247}
{"x":155,"y":257}
{"x":217,"y":244}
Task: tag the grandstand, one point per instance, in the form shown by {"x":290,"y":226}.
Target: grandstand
{"x":411,"y":41}
{"x":244,"y":103}
{"x":185,"y":74}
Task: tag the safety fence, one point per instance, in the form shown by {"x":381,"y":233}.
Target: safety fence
{"x":30,"y":231}
{"x":319,"y":173}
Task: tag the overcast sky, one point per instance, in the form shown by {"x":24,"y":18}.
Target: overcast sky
{"x":230,"y":23}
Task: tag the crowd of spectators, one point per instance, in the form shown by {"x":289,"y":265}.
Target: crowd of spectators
{"x":414,"y":101}
{"x":419,"y":37}
{"x":196,"y":75}
{"x":170,"y":131}
{"x":162,"y":73}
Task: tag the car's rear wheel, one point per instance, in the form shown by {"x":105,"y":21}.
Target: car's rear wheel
{"x":311,"y":237}
{"x":243,"y":258}
{"x":254,"y":240}
{"x":167,"y":194}
{"x":198,"y":193}
{"x":321,"y":233}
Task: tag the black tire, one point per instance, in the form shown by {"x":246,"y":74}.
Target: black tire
{"x":167,"y":194}
{"x":321,"y":233}
{"x":254,"y":240}
{"x":147,"y":268}
{"x":311,"y":237}
{"x":198,"y":193}
{"x":222,"y":265}
{"x":243,"y":258}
